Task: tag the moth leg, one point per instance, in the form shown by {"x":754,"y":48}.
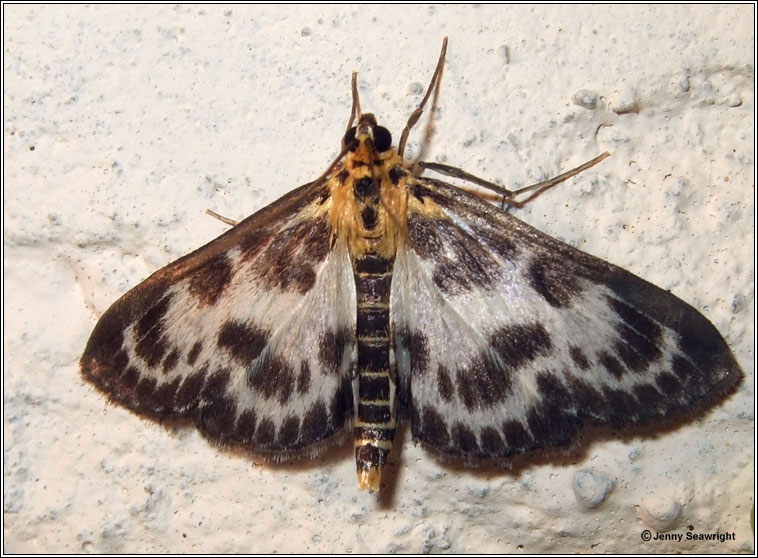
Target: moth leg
{"x":509,"y":196}
{"x":416,"y":114}
{"x":455,"y":172}
{"x":221,"y":218}
{"x":541,"y":187}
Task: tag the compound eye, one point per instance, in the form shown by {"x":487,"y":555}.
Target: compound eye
{"x":382,"y":139}
{"x":348,"y":142}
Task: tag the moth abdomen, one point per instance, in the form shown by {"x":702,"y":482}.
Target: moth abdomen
{"x":375,"y":425}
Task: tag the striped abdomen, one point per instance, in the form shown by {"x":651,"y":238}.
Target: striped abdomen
{"x":375,"y":427}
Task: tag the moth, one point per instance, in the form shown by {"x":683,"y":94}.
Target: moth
{"x":374,"y":295}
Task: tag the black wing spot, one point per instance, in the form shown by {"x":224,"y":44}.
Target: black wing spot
{"x":464,"y":440}
{"x":171,"y":360}
{"x":611,"y":364}
{"x":549,"y":278}
{"x":289,"y":433}
{"x":696,"y":382}
{"x":151,"y":344}
{"x":245,"y":429}
{"x":551,"y":426}
{"x":188,"y":393}
{"x":636,"y":320}
{"x":272,"y":377}
{"x":289,"y":261}
{"x":216,"y":384}
{"x":244,"y":342}
{"x":304,"y":378}
{"x":652,"y":402}
{"x":669,"y":385}
{"x":553,"y":392}
{"x":622,"y":407}
{"x":218,"y":417}
{"x":252,"y":244}
{"x":579,"y":358}
{"x":518,"y":345}
{"x":194,"y":352}
{"x":120,"y":362}
{"x":332,"y":348}
{"x":432,"y":429}
{"x":265,"y":434}
{"x":516,"y":436}
{"x":497,"y":241}
{"x":423,"y":233}
{"x":145,"y":391}
{"x":130,"y":378}
{"x":461,"y":262}
{"x":315,"y":423}
{"x":636,"y":350}
{"x":164,"y":397}
{"x":210,"y":281}
{"x":482,"y":383}
{"x":588,"y":400}
{"x":492,"y":442}
{"x":444,"y":384}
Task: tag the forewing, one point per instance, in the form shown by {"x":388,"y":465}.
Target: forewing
{"x":509,"y":341}
{"x":251,"y":337}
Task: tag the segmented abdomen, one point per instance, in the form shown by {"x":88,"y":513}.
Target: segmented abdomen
{"x":375,"y":427}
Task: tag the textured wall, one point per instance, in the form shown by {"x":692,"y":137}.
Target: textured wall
{"x":123,"y":124}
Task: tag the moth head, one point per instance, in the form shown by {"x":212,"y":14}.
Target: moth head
{"x":368,"y":129}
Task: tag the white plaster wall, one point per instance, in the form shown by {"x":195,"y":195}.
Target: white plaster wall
{"x":123,"y":124}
